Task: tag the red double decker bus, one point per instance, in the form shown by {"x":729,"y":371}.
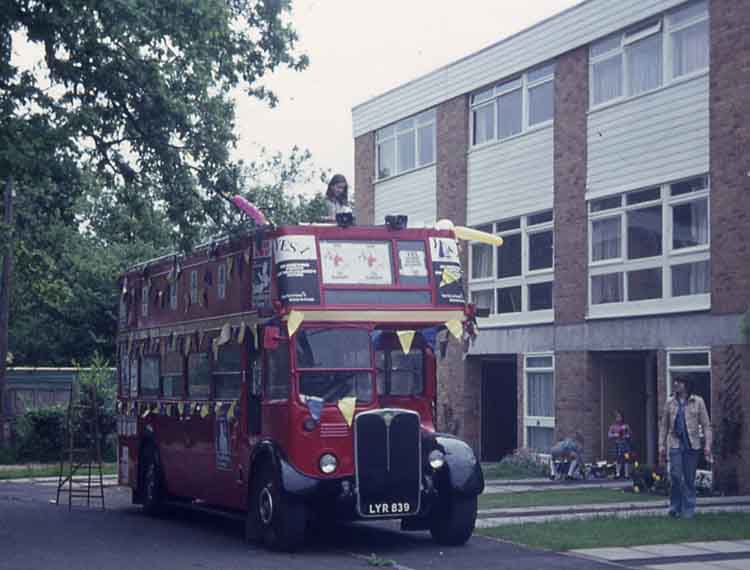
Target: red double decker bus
{"x":291,"y":375}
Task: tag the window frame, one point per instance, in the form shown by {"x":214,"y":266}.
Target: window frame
{"x":668,"y":258}
{"x":391,"y":132}
{"x":525,"y":279}
{"x":662,"y":26}
{"x":145,"y":293}
{"x":504,"y":87}
{"x":530,"y":421}
{"x":193,"y":286}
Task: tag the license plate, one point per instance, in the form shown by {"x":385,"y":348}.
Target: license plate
{"x":375,"y":509}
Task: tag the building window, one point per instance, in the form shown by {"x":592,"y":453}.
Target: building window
{"x":407,"y":145}
{"x":227,"y":371}
{"x":513,"y":106}
{"x":199,"y":375}
{"x":650,"y":245}
{"x":514,"y":281}
{"x":172,"y":374}
{"x":539,"y":398}
{"x":221,"y":280}
{"x":633,"y":61}
{"x":695,"y":365}
{"x":193,"y":287}
{"x":150,"y":376}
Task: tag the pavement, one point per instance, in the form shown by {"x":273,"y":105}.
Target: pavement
{"x":717,"y":555}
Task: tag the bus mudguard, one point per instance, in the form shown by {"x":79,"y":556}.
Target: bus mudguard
{"x":463,"y":470}
{"x":292,"y":480}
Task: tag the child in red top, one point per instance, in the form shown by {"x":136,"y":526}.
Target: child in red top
{"x":620,"y":433}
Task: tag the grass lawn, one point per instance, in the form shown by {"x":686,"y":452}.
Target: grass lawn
{"x":562,"y":497}
{"x":510,"y":471}
{"x":45,"y":470}
{"x":609,"y":531}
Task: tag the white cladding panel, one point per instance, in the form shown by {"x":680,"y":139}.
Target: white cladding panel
{"x":577,"y":26}
{"x":649,"y":140}
{"x":510,"y":178}
{"x":413,"y":194}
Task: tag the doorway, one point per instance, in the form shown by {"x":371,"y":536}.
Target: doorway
{"x":499,"y":408}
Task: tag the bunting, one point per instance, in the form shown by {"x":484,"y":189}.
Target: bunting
{"x":456,"y":328}
{"x":406,"y":338}
{"x":347,"y":406}
{"x":294,"y":320}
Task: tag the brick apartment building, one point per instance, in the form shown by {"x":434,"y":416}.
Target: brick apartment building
{"x":610,"y":146}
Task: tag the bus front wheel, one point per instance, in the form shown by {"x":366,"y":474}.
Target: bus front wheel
{"x":274,"y":517}
{"x":454,"y":519}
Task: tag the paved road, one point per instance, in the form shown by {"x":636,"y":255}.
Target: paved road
{"x":36,"y":535}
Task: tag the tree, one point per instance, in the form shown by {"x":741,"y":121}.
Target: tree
{"x":140,"y":93}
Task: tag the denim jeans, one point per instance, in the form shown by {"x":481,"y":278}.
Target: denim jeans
{"x":682,"y":465}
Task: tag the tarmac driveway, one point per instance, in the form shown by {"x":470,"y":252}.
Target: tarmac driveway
{"x":36,"y":534}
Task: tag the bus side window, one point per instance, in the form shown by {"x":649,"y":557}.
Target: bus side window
{"x":254,"y":393}
{"x":277,"y":372}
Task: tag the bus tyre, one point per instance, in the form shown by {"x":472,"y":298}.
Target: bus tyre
{"x":152,"y":492}
{"x":276,"y":519}
{"x":453,"y":521}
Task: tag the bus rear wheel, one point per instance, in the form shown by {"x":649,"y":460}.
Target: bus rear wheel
{"x":453,"y":521}
{"x":274,"y":517}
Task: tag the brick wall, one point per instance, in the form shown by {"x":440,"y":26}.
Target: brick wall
{"x":578,"y":400}
{"x":452,"y":139}
{"x":730,"y":375}
{"x":458,"y":403}
{"x":571,"y":104}
{"x":364,"y":174}
{"x":730,"y":159}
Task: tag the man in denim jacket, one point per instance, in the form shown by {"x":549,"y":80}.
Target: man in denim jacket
{"x":684,"y":418}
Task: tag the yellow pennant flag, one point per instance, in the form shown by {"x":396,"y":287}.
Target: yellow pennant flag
{"x":156,"y":409}
{"x":230,"y":412}
{"x":230,"y":265}
{"x":255,"y":336}
{"x":217,"y":408}
{"x":346,"y":407}
{"x":470,"y":234}
{"x":241,"y":334}
{"x":205,"y":411}
{"x":188,"y":343}
{"x":181,"y":408}
{"x":200,"y":339}
{"x":406,"y":338}
{"x":226,"y":334}
{"x":450,"y":275}
{"x":455,"y":328}
{"x":215,"y":345}
{"x":147,"y":412}
{"x":294,"y":321}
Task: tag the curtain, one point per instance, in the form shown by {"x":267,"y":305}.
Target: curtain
{"x":691,"y":279}
{"x":606,"y":288}
{"x":406,"y":151}
{"x":605,"y":239}
{"x":690,"y":49}
{"x":607,"y":79}
{"x":481,"y":260}
{"x":509,"y":114}
{"x":540,"y":399}
{"x":644,"y":64}
{"x":690,"y":224}
{"x":484,"y":121}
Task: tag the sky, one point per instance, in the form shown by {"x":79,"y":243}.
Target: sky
{"x":359,"y":49}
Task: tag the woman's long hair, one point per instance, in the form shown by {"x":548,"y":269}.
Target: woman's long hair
{"x":330,"y":193}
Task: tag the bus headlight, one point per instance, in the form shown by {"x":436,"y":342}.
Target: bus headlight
{"x":436,"y":459}
{"x":328,"y":463}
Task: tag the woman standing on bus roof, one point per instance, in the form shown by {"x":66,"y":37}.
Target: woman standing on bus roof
{"x":337,"y":197}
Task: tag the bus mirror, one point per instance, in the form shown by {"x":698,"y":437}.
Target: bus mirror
{"x":271,"y":337}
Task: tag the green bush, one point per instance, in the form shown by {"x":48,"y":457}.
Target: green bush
{"x":8,"y":455}
{"x":40,"y":434}
{"x":522,"y":464}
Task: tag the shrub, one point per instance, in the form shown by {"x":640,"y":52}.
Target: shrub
{"x":522,"y":464}
{"x":40,"y":434}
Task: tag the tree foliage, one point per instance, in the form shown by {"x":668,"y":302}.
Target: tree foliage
{"x":119,"y":144}
{"x":140,"y":93}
